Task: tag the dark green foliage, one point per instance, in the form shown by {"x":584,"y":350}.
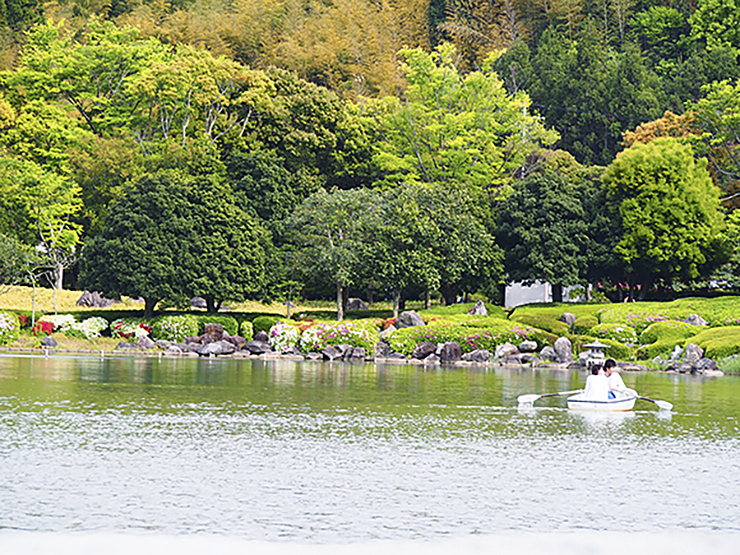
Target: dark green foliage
{"x":229,"y":324}
{"x":544,"y":232}
{"x":171,"y":236}
{"x":264,"y":185}
{"x":264,"y":323}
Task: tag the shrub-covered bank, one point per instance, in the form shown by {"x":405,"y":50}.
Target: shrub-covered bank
{"x":674,"y":336}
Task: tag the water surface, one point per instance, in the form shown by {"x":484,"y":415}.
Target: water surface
{"x":322,"y":453}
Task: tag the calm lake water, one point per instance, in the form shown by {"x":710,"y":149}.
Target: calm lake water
{"x":328,"y":453}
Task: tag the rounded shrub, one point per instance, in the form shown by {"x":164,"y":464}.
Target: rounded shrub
{"x":718,"y":343}
{"x":228,"y":323}
{"x":585,"y":323}
{"x":175,"y":328}
{"x":323,"y":334}
{"x":246,"y":330}
{"x":545,"y":322}
{"x":264,"y":323}
{"x":668,"y":331}
{"x":9,"y":328}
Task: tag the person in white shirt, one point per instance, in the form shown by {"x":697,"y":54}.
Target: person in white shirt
{"x":616,"y":385}
{"x":597,"y":385}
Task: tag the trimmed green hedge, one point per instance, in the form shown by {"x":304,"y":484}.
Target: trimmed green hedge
{"x":660,"y":338}
{"x":718,"y":343}
{"x":264,"y":323}
{"x":228,"y":323}
{"x":584,"y":324}
{"x":545,"y":322}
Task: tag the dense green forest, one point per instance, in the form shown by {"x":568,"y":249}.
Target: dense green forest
{"x":262,"y":148}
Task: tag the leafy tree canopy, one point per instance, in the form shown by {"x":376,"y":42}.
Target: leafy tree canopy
{"x":669,"y":209}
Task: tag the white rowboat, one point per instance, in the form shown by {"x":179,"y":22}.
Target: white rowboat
{"x":624,"y":401}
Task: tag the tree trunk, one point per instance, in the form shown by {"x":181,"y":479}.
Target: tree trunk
{"x":647,"y":283}
{"x":370,"y":295}
{"x":402,"y":303}
{"x":59,"y":276}
{"x":447,"y":294}
{"x":396,"y":302}
{"x":340,"y":301}
{"x":427,"y":299}
{"x":149,"y":305}
{"x":557,"y":293}
{"x":211,"y":306}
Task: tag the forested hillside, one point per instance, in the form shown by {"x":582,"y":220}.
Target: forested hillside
{"x":498,"y":105}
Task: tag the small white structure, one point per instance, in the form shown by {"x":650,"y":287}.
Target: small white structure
{"x":518,"y":294}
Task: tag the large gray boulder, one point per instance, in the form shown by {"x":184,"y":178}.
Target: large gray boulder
{"x":479,"y":355}
{"x":257,"y":347}
{"x":409,"y":319}
{"x":506,"y":350}
{"x":382,"y":349}
{"x":704,"y":365}
{"x":693,"y":353}
{"x":423,"y":350}
{"x":331,"y":353}
{"x":564,"y":349}
{"x":451,"y":352}
{"x":355,"y":353}
{"x":479,"y":309}
{"x":217,"y":348}
{"x":548,"y":354}
{"x":696,"y":320}
{"x":94,"y":300}
{"x":198,"y":302}
{"x":569,"y":318}
{"x":527,"y":346}
{"x":145,"y":343}
{"x":356,"y":304}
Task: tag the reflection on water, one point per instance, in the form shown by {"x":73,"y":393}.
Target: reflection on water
{"x":333,"y":452}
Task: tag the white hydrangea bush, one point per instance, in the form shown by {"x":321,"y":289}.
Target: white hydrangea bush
{"x":283,"y":337}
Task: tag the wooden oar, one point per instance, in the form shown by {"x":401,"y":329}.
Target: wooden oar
{"x":664,"y":405}
{"x":530,"y":398}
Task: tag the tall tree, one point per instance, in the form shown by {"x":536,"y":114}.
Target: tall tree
{"x":670,"y":214}
{"x":454,"y":128}
{"x":543,"y":229}
{"x":172,"y":236}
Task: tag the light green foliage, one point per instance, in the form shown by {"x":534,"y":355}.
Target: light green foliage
{"x":175,"y":328}
{"x":669,"y":208}
{"x":716,"y":23}
{"x":42,"y":204}
{"x":494,"y":311}
{"x":621,"y":333}
{"x":16,"y":260}
{"x":451,"y":127}
{"x":547,"y":322}
{"x":246,"y":330}
{"x":660,"y":338}
{"x":330,"y":231}
{"x":717,"y":115}
{"x":9,"y":327}
{"x":718,"y":343}
{"x":584,"y":323}
{"x":721,"y":311}
{"x":228,"y":323}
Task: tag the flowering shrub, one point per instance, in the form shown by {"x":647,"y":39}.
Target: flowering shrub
{"x":43,"y":328}
{"x":24,"y":321}
{"x":323,"y":334}
{"x":175,"y":328}
{"x":466,"y":334}
{"x":283,"y":337}
{"x":128,"y":328}
{"x":61,"y":322}
{"x":91,"y":327}
{"x":9,"y":328}
{"x":616,"y":332}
